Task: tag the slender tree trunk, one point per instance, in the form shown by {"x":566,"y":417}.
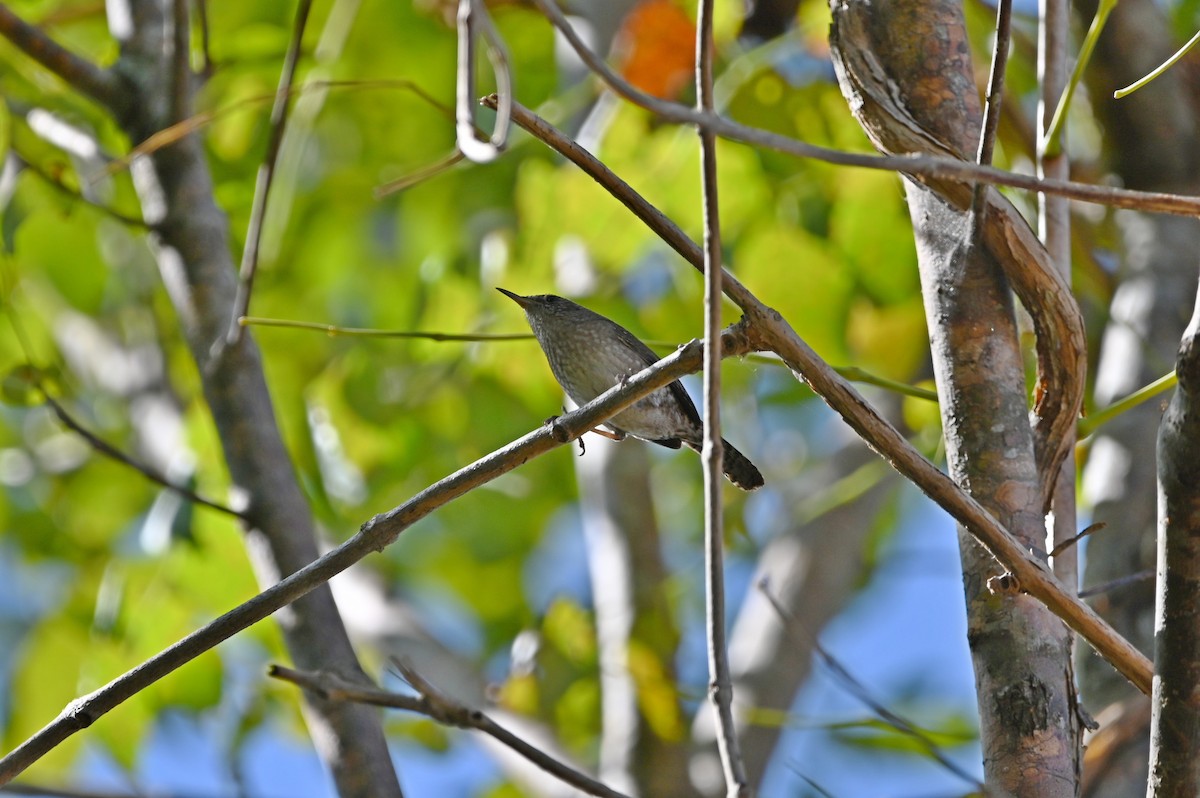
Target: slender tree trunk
{"x":192,"y":248}
{"x":1020,"y":650}
{"x":1175,"y":722}
{"x":1027,"y":721}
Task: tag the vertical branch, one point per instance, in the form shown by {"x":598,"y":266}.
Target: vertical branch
{"x":266,"y":173}
{"x":1019,"y":651}
{"x":102,"y":85}
{"x":720,"y":683}
{"x":991,"y":113}
{"x":1175,"y":718}
{"x":192,"y":250}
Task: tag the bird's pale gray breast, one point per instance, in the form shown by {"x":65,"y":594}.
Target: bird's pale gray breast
{"x":587,"y":359}
{"x":586,"y":362}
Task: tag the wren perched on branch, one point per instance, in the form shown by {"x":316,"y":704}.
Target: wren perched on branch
{"x":590,"y":354}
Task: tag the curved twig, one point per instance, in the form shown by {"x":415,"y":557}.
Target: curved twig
{"x":1044,"y":292}
{"x":102,"y":85}
{"x":473,"y":19}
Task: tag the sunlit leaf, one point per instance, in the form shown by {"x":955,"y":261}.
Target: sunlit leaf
{"x":658,"y":48}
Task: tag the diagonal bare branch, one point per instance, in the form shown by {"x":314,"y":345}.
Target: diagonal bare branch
{"x":102,"y":85}
{"x":108,"y":450}
{"x":375,"y":535}
{"x":919,"y":165}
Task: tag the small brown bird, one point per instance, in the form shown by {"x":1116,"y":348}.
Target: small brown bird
{"x":590,"y":354}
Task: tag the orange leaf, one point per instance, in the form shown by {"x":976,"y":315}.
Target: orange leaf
{"x":657,"y":47}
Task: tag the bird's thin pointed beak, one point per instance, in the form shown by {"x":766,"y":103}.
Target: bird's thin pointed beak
{"x":520,"y":300}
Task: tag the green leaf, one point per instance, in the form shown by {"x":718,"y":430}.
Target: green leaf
{"x":66,"y":252}
{"x":569,"y":628}
{"x":46,"y":678}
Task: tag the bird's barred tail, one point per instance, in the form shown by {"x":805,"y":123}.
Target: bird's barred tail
{"x":739,"y":469}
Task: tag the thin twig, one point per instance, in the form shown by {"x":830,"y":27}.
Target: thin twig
{"x":856,"y":374}
{"x":206,"y":68}
{"x":1099,"y":418}
{"x":1054,"y":131}
{"x":108,"y":450}
{"x":173,"y":133}
{"x":438,"y":706}
{"x":266,"y":173}
{"x":991,"y":113}
{"x":419,"y":176}
{"x":794,"y":625}
{"x":923,"y":165}
{"x":1071,"y":541}
{"x":101,"y":85}
{"x":811,"y":783}
{"x":1158,"y":70}
{"x":62,"y":188}
{"x":1104,"y":587}
{"x":720,"y":683}
{"x":333,"y":330}
{"x":852,"y":373}
{"x":375,"y":535}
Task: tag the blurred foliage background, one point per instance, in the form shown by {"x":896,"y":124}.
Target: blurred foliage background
{"x":101,"y":569}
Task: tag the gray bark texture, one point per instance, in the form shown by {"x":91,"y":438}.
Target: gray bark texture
{"x":1175,"y":721}
{"x":191,"y":244}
